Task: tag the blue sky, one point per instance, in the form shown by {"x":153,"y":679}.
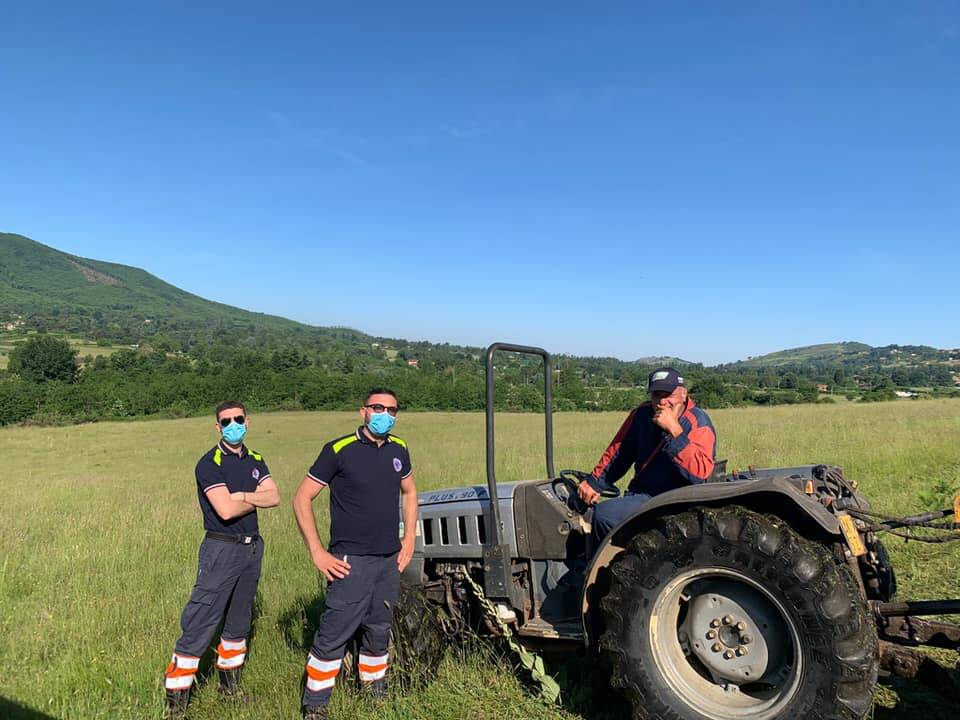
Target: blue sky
{"x":708,"y":180}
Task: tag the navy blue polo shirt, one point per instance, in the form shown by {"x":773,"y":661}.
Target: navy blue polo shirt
{"x":239,"y":473}
{"x":364,"y":481}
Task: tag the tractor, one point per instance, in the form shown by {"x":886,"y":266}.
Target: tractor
{"x":763,"y":594}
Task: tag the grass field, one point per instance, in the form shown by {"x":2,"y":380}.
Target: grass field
{"x":8,"y":341}
{"x":99,"y":531}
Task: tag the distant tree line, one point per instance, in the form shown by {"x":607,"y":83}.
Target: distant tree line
{"x":46,"y":382}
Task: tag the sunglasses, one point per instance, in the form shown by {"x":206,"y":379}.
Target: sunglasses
{"x":378,"y":408}
{"x":239,"y":420}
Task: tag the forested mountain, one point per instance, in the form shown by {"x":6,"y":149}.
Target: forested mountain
{"x":51,"y":290}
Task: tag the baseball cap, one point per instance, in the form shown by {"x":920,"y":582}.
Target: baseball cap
{"x":664,"y":380}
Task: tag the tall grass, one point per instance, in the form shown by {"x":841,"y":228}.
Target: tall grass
{"x":99,"y":529}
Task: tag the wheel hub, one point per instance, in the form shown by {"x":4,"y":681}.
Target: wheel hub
{"x":734,"y":632}
{"x":730,"y":637}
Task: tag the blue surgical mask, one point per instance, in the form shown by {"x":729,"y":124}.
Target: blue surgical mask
{"x":234,"y":433}
{"x":381,"y":423}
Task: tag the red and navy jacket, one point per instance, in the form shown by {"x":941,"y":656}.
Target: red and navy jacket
{"x":661,"y":462}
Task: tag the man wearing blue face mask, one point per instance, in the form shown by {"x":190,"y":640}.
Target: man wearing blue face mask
{"x":367,"y":471}
{"x":232,"y":482}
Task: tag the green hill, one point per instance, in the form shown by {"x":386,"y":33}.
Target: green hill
{"x":43,"y":288}
{"x":826,"y":352}
{"x":859,"y":358}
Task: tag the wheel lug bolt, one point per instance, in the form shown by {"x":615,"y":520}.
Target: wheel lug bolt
{"x":728,"y":620}
{"x":715,"y":623}
{"x":741,"y":626}
{"x":746,"y":639}
{"x":741,"y":651}
{"x":711,"y":634}
{"x":716,"y":647}
{"x":728,"y":655}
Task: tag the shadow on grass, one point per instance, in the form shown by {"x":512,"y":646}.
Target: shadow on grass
{"x":298,"y":624}
{"x":586,"y":692}
{"x":584,"y":681}
{"x":10,"y":710}
{"x":585,"y":687}
{"x":916,"y":701}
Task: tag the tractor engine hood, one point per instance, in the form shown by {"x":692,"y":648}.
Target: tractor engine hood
{"x":455,"y":523}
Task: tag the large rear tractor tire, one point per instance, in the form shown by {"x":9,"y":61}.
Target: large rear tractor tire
{"x":418,"y":639}
{"x":725,"y":614}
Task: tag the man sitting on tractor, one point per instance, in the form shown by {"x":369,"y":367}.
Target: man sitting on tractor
{"x":669,"y":440}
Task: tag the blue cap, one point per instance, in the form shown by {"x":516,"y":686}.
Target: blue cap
{"x":664,"y":380}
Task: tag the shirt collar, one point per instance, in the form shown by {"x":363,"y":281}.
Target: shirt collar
{"x":362,"y":437}
{"x":227,"y":451}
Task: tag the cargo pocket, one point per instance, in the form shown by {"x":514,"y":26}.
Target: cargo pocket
{"x":199,"y":611}
{"x":203,"y":598}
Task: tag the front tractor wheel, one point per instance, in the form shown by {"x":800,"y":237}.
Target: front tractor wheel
{"x":730,"y":615}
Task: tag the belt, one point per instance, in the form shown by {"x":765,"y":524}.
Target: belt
{"x":227,"y":537}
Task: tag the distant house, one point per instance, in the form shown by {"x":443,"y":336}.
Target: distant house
{"x":823,"y":387}
{"x":905,"y":394}
{"x":413,"y":363}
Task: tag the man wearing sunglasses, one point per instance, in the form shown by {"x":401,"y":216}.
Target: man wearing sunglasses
{"x":367,"y":472}
{"x":232,"y":482}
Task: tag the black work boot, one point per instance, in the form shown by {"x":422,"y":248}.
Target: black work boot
{"x":316,"y":712}
{"x":230,"y":685}
{"x":177,"y":701}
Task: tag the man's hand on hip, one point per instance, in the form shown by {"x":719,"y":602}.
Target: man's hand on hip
{"x":332,"y":567}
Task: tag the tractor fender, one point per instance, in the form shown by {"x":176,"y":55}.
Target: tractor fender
{"x":778,"y":496}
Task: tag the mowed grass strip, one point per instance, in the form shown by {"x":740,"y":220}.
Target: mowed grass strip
{"x":99,"y":530}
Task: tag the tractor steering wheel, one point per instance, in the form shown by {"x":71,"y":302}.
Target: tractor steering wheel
{"x":572,"y":479}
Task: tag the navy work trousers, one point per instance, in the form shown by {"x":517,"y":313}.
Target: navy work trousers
{"x":610,"y":513}
{"x":226,"y":586}
{"x":363,"y":600}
